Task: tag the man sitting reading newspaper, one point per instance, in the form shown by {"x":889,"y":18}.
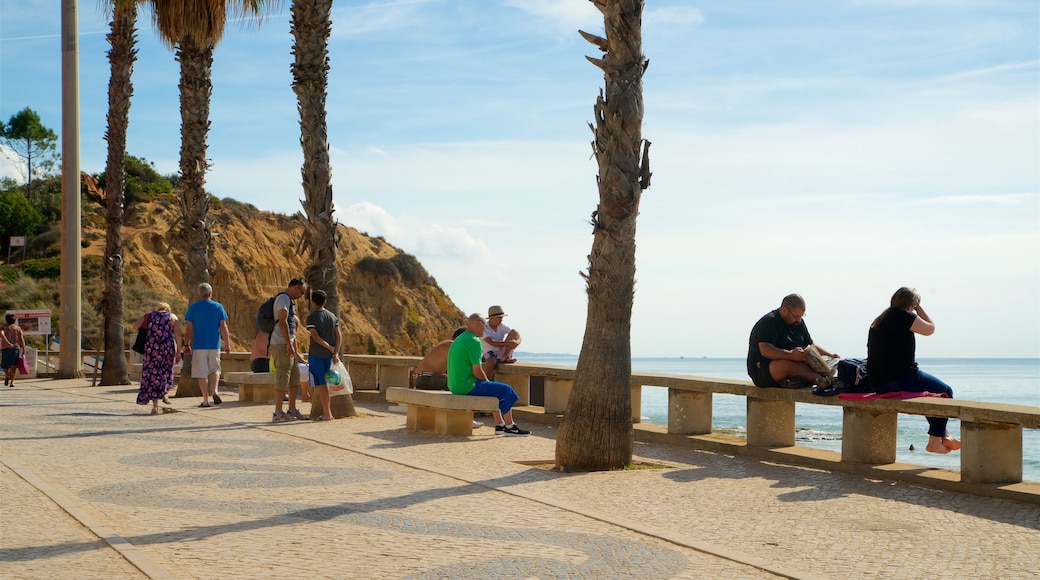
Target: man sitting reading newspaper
{"x":781,"y":350}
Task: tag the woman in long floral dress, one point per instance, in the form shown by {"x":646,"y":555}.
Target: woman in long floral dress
{"x":162,"y":350}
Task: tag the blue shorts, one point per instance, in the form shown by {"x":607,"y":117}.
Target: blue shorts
{"x":319,"y":366}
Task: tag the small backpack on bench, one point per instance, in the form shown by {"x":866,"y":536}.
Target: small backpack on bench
{"x":853,"y":372}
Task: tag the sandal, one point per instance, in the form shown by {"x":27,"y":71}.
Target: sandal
{"x":155,"y":410}
{"x":204,"y":405}
{"x":166,"y":400}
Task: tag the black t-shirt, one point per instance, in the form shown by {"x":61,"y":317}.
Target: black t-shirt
{"x":772,"y":329}
{"x":890,"y":348}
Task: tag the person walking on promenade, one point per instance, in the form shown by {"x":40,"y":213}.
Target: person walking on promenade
{"x":777,"y":348}
{"x":162,"y":350}
{"x":891,"y":363}
{"x":205,"y":329}
{"x":284,"y":352}
{"x":326,"y":338}
{"x":467,"y":375}
{"x":12,"y":346}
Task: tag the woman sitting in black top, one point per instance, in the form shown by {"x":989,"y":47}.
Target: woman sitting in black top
{"x":891,"y":365}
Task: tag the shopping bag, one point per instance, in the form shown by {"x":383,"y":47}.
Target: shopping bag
{"x":23,"y":365}
{"x":338,"y":380}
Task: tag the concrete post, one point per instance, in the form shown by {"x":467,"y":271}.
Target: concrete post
{"x":557,"y":393}
{"x":637,"y":403}
{"x":521,"y":384}
{"x":770,"y":423}
{"x":689,"y":412}
{"x":393,"y":376}
{"x":868,"y":436}
{"x":991,"y":453}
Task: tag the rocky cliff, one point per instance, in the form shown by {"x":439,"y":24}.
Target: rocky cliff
{"x":389,"y":304}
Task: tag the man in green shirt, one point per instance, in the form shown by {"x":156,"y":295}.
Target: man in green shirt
{"x":467,"y":375}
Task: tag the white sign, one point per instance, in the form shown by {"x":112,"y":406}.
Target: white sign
{"x":17,"y":241}
{"x":33,"y":321}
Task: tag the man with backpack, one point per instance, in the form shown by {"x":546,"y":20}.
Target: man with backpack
{"x":284,"y":351}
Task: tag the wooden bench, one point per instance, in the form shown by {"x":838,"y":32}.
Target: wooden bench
{"x":252,"y":387}
{"x":440,"y":411}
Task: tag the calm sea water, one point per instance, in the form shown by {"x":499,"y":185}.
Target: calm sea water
{"x":1015,"y":381}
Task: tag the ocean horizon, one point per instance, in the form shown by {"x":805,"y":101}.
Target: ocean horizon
{"x":1012,"y":380}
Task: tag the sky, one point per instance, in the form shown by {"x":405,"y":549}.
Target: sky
{"x":839,"y":149}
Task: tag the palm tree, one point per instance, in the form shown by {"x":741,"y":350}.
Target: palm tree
{"x":311,"y":25}
{"x":121,"y":57}
{"x":193,"y":28}
{"x":596,"y":432}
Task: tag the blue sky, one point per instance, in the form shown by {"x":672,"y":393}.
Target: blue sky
{"x":838,"y":149}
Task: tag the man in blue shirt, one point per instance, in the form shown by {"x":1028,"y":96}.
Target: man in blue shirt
{"x":205,"y":327}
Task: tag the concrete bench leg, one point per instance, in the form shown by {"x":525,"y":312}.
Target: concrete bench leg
{"x":245,"y":393}
{"x":557,"y":393}
{"x":689,"y":412}
{"x":770,"y":423}
{"x":420,"y":418}
{"x":991,"y":453}
{"x":868,"y":436}
{"x":453,"y":422}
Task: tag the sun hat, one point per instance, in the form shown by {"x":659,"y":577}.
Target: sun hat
{"x":496,"y":311}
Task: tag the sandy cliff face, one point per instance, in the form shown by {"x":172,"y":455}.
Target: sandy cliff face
{"x":388,"y":303}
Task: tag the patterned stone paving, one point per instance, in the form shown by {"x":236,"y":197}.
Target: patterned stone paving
{"x":220,"y":492}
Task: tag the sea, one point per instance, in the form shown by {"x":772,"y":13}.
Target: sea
{"x":999,"y":380}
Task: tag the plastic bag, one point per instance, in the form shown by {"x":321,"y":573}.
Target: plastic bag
{"x":338,"y":380}
{"x":23,"y":365}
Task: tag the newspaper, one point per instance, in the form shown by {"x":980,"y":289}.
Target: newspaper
{"x":819,"y":363}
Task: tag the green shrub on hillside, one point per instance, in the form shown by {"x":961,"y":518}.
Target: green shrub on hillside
{"x":377,"y":267}
{"x":410,"y":269}
{"x":39,"y":268}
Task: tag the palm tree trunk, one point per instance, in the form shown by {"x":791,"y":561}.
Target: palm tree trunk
{"x":121,"y":57}
{"x":596,"y":432}
{"x":311,"y":26}
{"x":196,"y":88}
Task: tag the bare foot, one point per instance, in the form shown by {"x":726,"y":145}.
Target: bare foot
{"x":950,"y":442}
{"x":935,"y":445}
{"x":508,"y":360}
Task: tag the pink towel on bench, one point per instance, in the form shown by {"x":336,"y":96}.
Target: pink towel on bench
{"x":892,"y":395}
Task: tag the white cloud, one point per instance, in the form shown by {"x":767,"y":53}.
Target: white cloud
{"x":1007,"y":199}
{"x":377,"y":17}
{"x":566,"y":14}
{"x":672,"y":16}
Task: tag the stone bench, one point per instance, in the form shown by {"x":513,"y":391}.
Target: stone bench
{"x":440,"y":411}
{"x":252,"y":387}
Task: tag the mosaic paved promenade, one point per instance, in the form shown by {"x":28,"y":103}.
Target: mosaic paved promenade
{"x":92,"y":486}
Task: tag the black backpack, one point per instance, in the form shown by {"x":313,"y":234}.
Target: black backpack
{"x":265,"y":320}
{"x":853,"y":372}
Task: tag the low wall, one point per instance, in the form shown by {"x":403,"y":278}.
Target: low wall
{"x":991,"y":458}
